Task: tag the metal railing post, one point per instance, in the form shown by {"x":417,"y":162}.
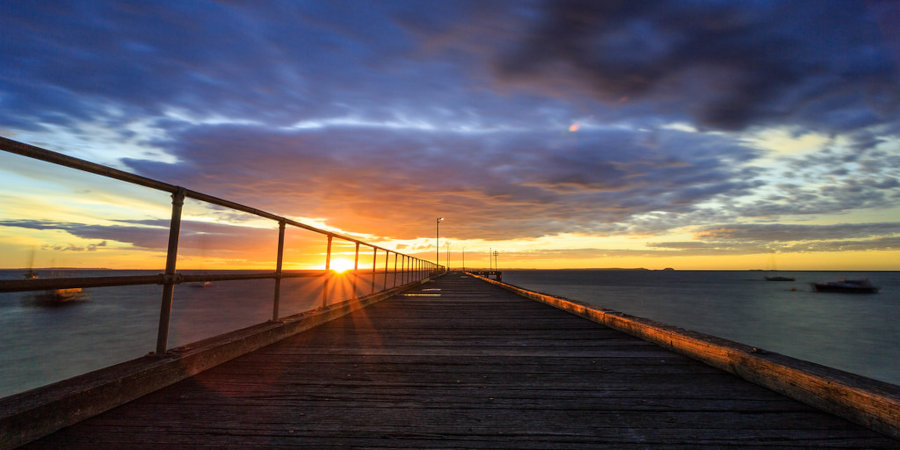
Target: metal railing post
{"x":169,"y":281}
{"x":374,"y":261}
{"x":355,"y":268}
{"x":327,"y":273}
{"x":278,"y":262}
{"x":396,"y":256}
{"x":387,"y":257}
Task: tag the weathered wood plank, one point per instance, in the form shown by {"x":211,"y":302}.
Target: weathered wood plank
{"x":477,"y":367}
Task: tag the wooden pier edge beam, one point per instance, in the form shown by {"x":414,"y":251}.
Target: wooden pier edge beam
{"x":33,"y":414}
{"x":871,"y":403}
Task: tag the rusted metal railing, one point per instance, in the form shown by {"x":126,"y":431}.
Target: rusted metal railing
{"x":171,"y":277}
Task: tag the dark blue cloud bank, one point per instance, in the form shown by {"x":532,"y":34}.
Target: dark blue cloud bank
{"x":381,"y":115}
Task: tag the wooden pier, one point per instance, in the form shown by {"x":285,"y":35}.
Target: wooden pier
{"x":458,"y":362}
{"x":492,"y":274}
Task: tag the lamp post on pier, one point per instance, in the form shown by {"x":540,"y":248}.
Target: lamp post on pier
{"x":437,"y":237}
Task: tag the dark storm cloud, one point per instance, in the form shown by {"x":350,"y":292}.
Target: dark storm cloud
{"x":728,"y":65}
{"x":720,"y":64}
{"x":502,"y":183}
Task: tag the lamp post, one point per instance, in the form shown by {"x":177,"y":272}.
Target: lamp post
{"x":437,"y":238}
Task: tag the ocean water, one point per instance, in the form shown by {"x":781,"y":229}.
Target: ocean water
{"x":42,"y":344}
{"x":857,"y":333}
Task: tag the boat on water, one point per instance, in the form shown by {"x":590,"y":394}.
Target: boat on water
{"x":54,"y":296}
{"x":773,"y":273}
{"x":779,"y":278}
{"x":59,"y":296}
{"x":861,"y":286}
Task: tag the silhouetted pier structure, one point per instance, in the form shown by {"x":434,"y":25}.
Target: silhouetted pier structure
{"x":492,"y":274}
{"x":425,"y":360}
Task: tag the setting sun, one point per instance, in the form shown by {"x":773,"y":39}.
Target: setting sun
{"x":341,"y":265}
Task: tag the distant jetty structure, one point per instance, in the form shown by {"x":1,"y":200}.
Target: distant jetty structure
{"x":416,"y":356}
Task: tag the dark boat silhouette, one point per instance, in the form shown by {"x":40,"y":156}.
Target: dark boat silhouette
{"x":862,"y":286}
{"x":779,"y":278}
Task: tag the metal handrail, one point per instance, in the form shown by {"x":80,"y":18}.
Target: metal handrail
{"x":31,"y":151}
{"x":419,"y":270}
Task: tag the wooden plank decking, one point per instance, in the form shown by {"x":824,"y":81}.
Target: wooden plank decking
{"x":475,"y":367}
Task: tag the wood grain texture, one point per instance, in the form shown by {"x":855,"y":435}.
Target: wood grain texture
{"x":477,"y":367}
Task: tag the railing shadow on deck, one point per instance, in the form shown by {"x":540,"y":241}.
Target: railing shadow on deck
{"x":39,"y":411}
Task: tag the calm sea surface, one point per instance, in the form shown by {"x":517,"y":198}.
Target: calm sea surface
{"x":42,"y":344}
{"x":857,"y":333}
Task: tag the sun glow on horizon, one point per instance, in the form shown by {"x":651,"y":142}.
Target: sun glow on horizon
{"x":341,"y":265}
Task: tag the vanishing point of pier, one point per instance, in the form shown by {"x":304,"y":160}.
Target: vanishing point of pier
{"x":457,"y":362}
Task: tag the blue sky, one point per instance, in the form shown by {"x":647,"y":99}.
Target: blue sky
{"x":604,"y":129}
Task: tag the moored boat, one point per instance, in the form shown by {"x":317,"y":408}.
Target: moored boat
{"x":54,"y":297}
{"x":861,"y":286}
{"x":779,"y":278}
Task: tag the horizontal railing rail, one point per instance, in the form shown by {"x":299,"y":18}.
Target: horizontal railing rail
{"x":406,"y":268}
{"x":131,"y":280}
{"x":31,"y":151}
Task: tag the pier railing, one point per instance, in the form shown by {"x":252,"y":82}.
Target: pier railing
{"x":404,"y":269}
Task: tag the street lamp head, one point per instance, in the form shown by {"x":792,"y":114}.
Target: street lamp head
{"x":440,"y":219}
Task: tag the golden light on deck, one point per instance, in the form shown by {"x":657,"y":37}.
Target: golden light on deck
{"x":341,"y":265}
{"x":574,"y":127}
